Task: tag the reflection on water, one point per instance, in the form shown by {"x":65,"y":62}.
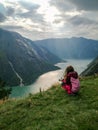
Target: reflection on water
{"x":79,"y":65}
{"x":46,"y":80}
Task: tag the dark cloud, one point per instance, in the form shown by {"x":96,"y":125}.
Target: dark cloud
{"x":2,"y":8}
{"x":62,"y":5}
{"x":29,"y":5}
{"x":31,"y":12}
{"x":23,"y":9}
{"x":2,"y":17}
{"x":32,"y":15}
{"x":5,"y":11}
{"x":79,"y":20}
{"x":85,"y":4}
{"x":2,"y":13}
{"x":11,"y":27}
{"x":10,"y":11}
{"x":66,"y":5}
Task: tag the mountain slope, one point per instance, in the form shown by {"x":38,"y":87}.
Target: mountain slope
{"x":53,"y":110}
{"x":92,"y":68}
{"x":78,"y":48}
{"x":21,"y":62}
{"x":44,"y":53}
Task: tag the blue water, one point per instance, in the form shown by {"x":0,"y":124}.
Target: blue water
{"x":46,"y":80}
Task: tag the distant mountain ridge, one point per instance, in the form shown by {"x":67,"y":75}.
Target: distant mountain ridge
{"x":21,"y":60}
{"x":77,"y":48}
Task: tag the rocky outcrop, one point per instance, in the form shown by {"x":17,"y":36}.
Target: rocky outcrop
{"x":92,"y":68}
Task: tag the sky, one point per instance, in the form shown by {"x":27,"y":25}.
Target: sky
{"x":43,"y":19}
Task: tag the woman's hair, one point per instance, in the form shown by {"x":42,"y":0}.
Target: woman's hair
{"x":69,"y":69}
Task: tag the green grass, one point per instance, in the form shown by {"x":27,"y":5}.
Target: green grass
{"x":53,"y":110}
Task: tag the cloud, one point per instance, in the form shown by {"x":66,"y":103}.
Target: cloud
{"x":29,"y":5}
{"x":30,"y":9}
{"x":80,"y":26}
{"x":23,"y":12}
{"x":80,"y":20}
{"x":2,"y":13}
{"x":2,"y":9}
{"x":62,"y":5}
{"x":87,"y":5}
{"x":31,"y":15}
{"x":54,"y":18}
{"x":66,"y":5}
{"x":2,"y":17}
{"x":79,"y":17}
{"x":12,"y":27}
{"x":10,"y":11}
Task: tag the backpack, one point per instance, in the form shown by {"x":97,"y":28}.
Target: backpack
{"x":75,"y":83}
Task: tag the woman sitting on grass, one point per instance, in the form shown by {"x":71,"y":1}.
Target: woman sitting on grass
{"x":70,"y":82}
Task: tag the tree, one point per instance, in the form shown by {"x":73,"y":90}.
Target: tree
{"x":4,"y":91}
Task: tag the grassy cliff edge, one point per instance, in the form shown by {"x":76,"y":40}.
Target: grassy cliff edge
{"x":53,"y":110}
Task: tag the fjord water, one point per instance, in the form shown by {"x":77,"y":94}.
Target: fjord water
{"x":46,"y":80}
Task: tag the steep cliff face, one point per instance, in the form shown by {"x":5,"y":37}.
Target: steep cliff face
{"x":77,"y":48}
{"x":21,"y":61}
{"x":92,"y":68}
